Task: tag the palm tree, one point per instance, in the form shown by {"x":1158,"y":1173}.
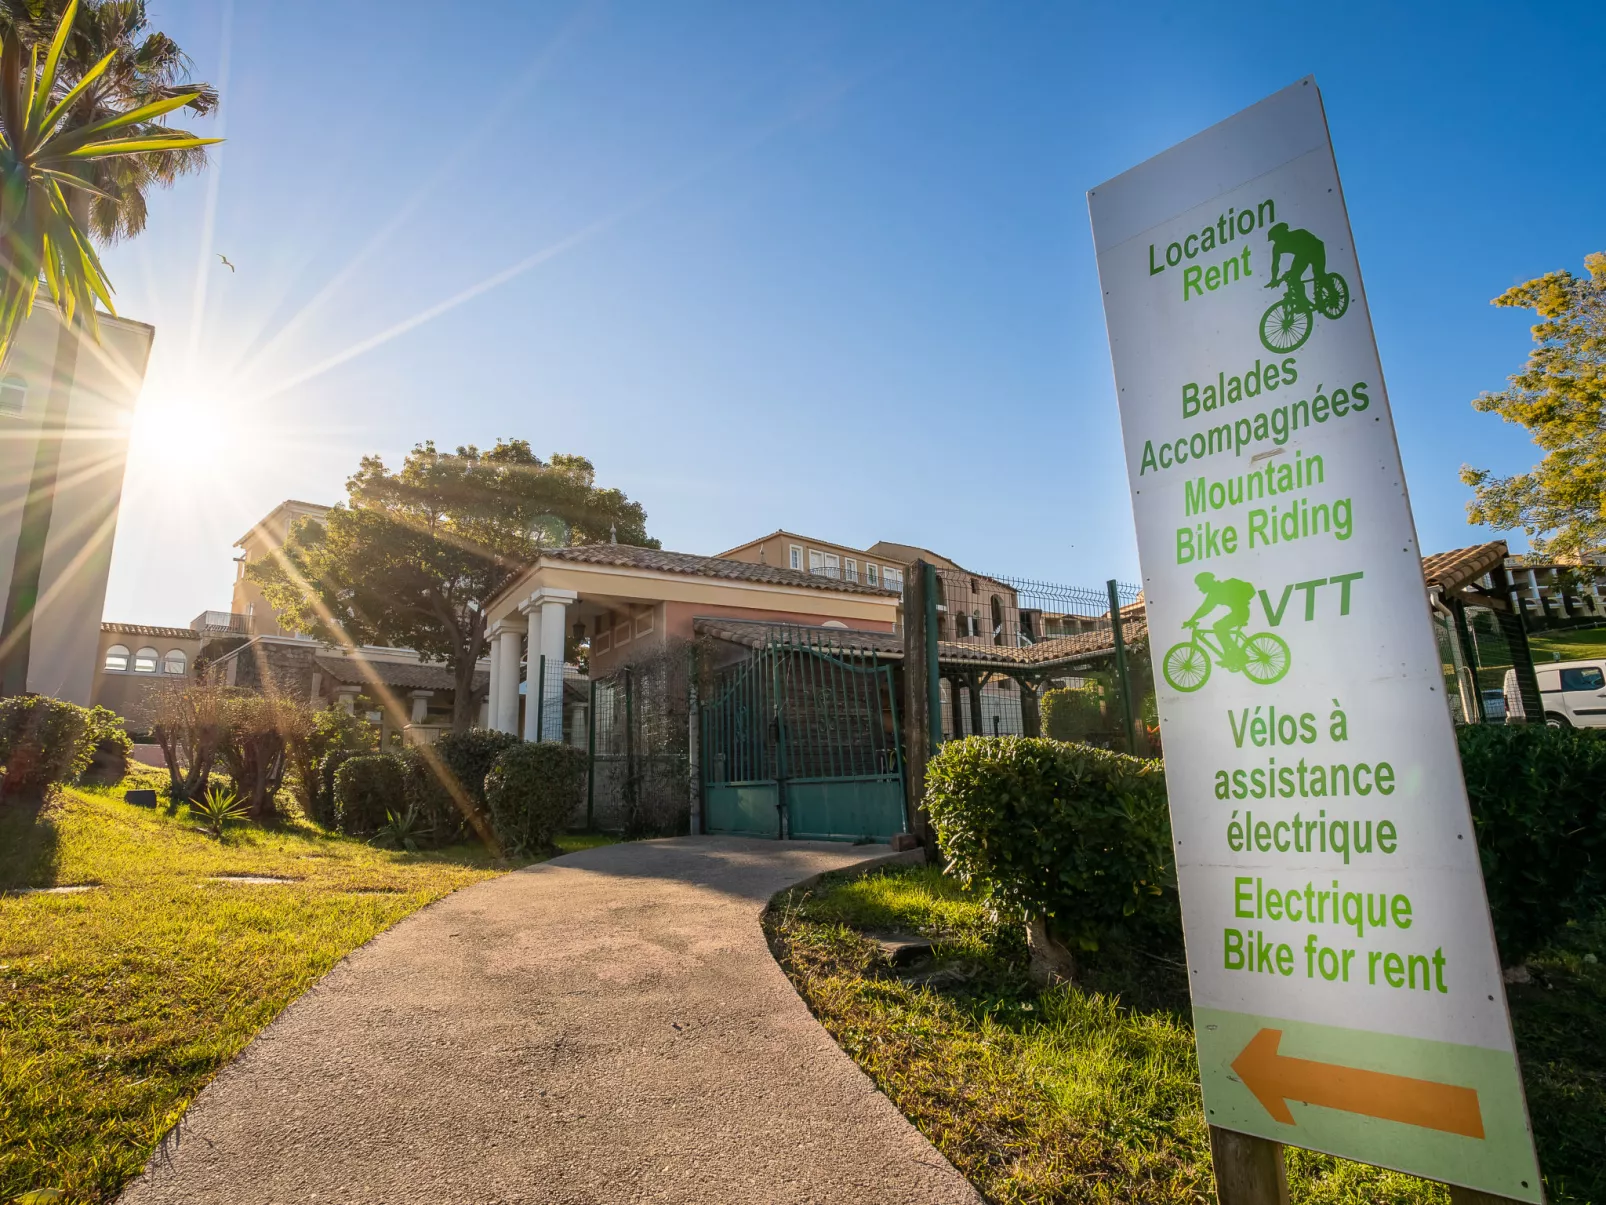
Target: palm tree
{"x":79,"y":143}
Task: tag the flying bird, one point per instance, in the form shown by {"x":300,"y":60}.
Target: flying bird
{"x":226,"y":262}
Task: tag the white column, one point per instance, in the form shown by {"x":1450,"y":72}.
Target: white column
{"x":554,"y":612}
{"x":507,"y":638}
{"x":532,"y":668}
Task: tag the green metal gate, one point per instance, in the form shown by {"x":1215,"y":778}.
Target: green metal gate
{"x":801,"y":740}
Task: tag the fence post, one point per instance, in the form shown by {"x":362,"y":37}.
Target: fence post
{"x":630,"y":751}
{"x":1522,"y":658}
{"x":918,"y":719}
{"x":539,"y":701}
{"x":1123,"y":681}
{"x":694,"y":751}
{"x":1469,"y":650}
{"x":591,"y":758}
{"x":1249,"y":1170}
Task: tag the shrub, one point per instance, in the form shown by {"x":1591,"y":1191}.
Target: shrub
{"x":1061,"y":833}
{"x":323,"y":809}
{"x":109,"y":746}
{"x":1072,"y":713}
{"x":367,"y":786}
{"x":43,"y":742}
{"x":1537,"y":809}
{"x":328,"y":729}
{"x":533,"y":790}
{"x":438,"y":818}
{"x":470,"y":756}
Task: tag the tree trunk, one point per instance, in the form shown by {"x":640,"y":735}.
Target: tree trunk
{"x":16,"y":628}
{"x":1051,"y":959}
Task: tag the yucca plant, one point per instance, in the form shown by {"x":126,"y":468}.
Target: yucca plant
{"x":217,"y":809}
{"x":401,"y":830}
{"x":43,"y":153}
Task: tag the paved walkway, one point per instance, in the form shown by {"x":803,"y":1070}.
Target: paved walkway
{"x":606,"y":1027}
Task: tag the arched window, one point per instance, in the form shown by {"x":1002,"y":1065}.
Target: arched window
{"x":116,"y":659}
{"x":13,"y":396}
{"x":145,"y":661}
{"x":174,"y":662}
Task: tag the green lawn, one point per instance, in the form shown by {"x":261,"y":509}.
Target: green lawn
{"x":1577,"y":645}
{"x":118,"y":1004}
{"x":1073,"y":1095}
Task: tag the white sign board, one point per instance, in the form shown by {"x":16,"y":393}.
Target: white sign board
{"x":1347,"y":992}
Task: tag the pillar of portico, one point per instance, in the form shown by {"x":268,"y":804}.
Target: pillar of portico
{"x":507,"y":640}
{"x":547,"y":611}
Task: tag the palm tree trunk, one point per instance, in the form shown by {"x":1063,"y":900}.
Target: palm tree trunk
{"x":22,"y":597}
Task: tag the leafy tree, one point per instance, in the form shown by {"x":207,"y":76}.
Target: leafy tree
{"x":415,"y":555}
{"x":81,"y":138}
{"x":1561,"y":397}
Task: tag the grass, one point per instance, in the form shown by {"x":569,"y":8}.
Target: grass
{"x":1091,"y":1094}
{"x":1579,"y":644}
{"x":117,"y":1005}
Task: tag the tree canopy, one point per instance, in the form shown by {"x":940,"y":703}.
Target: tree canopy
{"x":414,"y":556}
{"x":1559,"y":396}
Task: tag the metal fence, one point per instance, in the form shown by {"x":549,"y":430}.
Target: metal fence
{"x":1018,"y":656}
{"x":1481,"y":651}
{"x":639,"y":742}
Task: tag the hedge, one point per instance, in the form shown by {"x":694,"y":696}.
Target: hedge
{"x":1536,"y":796}
{"x":1077,"y":836}
{"x":533,"y":790}
{"x":470,"y":756}
{"x":43,"y":742}
{"x":321,"y":802}
{"x":366,"y":787}
{"x":430,"y":798}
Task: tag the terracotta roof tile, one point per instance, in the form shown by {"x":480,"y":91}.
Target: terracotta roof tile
{"x":627,"y":555}
{"x":145,"y":629}
{"x":1462,"y":566}
{"x":400,"y":674}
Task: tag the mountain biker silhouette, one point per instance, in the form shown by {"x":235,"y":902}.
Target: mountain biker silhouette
{"x":1236,"y":595}
{"x":1305,"y":251}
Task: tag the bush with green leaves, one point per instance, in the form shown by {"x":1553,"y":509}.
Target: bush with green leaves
{"x":328,"y":730}
{"x":1062,"y":833}
{"x":321,"y":806}
{"x":1073,"y":713}
{"x":470,"y":756}
{"x":110,"y":746}
{"x":439,"y":819}
{"x":43,"y":742}
{"x":533,"y":791}
{"x":367,"y":787}
{"x":1537,"y":807}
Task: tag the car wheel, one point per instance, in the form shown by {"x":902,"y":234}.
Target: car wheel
{"x":1552,"y":720}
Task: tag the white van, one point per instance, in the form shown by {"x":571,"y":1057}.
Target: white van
{"x":1574,"y":693}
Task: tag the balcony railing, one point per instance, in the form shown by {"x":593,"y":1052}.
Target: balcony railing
{"x":219,"y":623}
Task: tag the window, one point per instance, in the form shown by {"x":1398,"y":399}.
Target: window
{"x":145,"y":661}
{"x":797,"y":557}
{"x":891,"y":578}
{"x":116,"y":659}
{"x":850,"y":569}
{"x":1582,"y":679}
{"x":174,"y":662}
{"x":816,"y":561}
{"x":13,"y":396}
{"x":870,"y":575}
{"x":833,"y":565}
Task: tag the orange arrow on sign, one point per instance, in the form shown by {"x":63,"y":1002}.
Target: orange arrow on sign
{"x":1275,"y":1080}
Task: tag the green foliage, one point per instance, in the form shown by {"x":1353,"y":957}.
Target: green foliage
{"x":1072,"y":713}
{"x":1536,"y":795}
{"x":1560,"y":395}
{"x":256,"y":731}
{"x":43,"y":742}
{"x":328,"y":730}
{"x":219,"y":808}
{"x":325,"y":811}
{"x":430,"y":797}
{"x":415,"y":554}
{"x":1077,"y":835}
{"x":367,"y":787}
{"x":470,"y":756}
{"x":54,"y":136}
{"x":402,"y":830}
{"x":109,"y":746}
{"x":533,"y":790}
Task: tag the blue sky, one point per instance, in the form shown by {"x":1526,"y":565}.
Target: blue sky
{"x":822,"y":266}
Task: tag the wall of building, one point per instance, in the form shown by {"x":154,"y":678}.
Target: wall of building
{"x":777,"y":550}
{"x":264,"y":540}
{"x":650,"y":627}
{"x":72,"y":588}
{"x":129,"y":691}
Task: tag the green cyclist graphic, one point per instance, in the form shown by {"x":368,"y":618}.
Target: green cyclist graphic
{"x":1262,"y":658}
{"x":1288,"y":323}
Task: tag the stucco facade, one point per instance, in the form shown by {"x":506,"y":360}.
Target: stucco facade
{"x":65,"y":639}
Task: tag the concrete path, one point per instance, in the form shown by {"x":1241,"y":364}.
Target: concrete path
{"x":606,"y":1027}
